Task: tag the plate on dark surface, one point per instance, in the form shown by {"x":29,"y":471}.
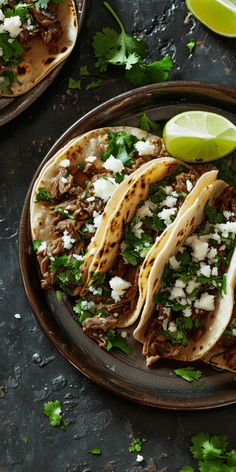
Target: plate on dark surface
{"x":10,"y":107}
{"x":124,"y":375}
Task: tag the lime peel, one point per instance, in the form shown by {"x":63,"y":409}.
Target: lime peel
{"x":218,"y":15}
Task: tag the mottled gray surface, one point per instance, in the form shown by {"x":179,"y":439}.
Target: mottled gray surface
{"x":30,"y":368}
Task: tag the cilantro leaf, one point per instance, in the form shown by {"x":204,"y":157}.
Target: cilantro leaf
{"x":116,"y":341}
{"x":213,"y":215}
{"x":43,"y":195}
{"x":36,"y":244}
{"x":74,"y":84}
{"x":204,"y":447}
{"x":136,"y":445}
{"x":68,"y":271}
{"x":84,"y":71}
{"x":188,"y":373}
{"x":53,"y":411}
{"x":96,"y":451}
{"x":143,"y":73}
{"x":191,"y":45}
{"x":187,"y":468}
{"x":63,"y":212}
{"x":227,"y":170}
{"x":93,"y":85}
{"x":147,"y":123}
{"x":121,"y":146}
{"x":119,"y":178}
{"x":25,"y":440}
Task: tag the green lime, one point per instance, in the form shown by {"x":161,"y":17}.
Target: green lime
{"x":218,"y":15}
{"x":195,"y":136}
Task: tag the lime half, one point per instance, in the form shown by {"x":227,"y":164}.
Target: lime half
{"x":197,"y":136}
{"x":218,"y":15}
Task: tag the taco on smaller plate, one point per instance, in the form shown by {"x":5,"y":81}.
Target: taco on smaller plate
{"x":190,"y":295}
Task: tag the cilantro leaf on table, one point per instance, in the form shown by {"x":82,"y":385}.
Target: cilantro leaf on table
{"x":121,"y":146}
{"x":191,"y":45}
{"x":147,"y":123}
{"x":187,"y":468}
{"x":96,"y":451}
{"x":205,"y":447}
{"x":136,"y":445}
{"x":188,"y":373}
{"x":74,"y":84}
{"x":84,"y":71}
{"x":93,"y":85}
{"x":123,"y":49}
{"x":53,"y":411}
{"x":116,"y":341}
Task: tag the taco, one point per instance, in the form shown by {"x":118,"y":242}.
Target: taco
{"x":34,"y":38}
{"x":110,"y":296}
{"x":78,"y":190}
{"x":191,"y":285}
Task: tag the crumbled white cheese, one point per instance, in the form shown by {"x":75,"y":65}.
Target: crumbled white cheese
{"x":229,"y":227}
{"x":170,"y":201}
{"x":166,"y":311}
{"x":92,"y":251}
{"x":137,"y":229}
{"x":95,"y":291}
{"x":78,"y":257}
{"x":118,"y":286}
{"x":174,"y":263}
{"x":145,"y":148}
{"x":64,"y":180}
{"x":206,"y":302}
{"x":214,"y":271}
{"x":165,"y":324}
{"x":1,"y":54}
{"x":89,"y":229}
{"x":227,"y":214}
{"x":216,"y":237}
{"x":200,"y":248}
{"x":176,"y":292}
{"x":115,"y":315}
{"x":104,"y":188}
{"x":146,"y":209}
{"x":113,"y":164}
{"x":42,"y":246}
{"x":234,"y":332}
{"x":97,"y":218}
{"x":123,"y":334}
{"x":90,"y":159}
{"x":205,"y":270}
{"x":166,"y":215}
{"x":172,"y":327}
{"x":179,"y":283}
{"x":68,"y":241}
{"x":168,"y":189}
{"x":189,"y":185}
{"x":2,"y":16}
{"x":88,"y":305}
{"x":64,"y":163}
{"x":17,"y":316}
{"x":187,"y":312}
{"x":191,"y":286}
{"x":90,"y":199}
{"x":212,"y":253}
{"x":12,"y":25}
{"x":139,"y":458}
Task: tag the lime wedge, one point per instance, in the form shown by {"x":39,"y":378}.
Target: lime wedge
{"x":197,"y":136}
{"x":218,"y":15}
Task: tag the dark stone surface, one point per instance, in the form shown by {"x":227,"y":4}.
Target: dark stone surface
{"x":30,"y":368}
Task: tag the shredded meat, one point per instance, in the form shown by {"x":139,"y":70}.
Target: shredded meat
{"x":227,"y":201}
{"x":51,"y":35}
{"x":157,"y":345}
{"x":192,"y":175}
{"x":61,"y":184}
{"x":97,"y":327}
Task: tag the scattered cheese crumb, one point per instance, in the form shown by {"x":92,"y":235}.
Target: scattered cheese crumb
{"x":206,"y":302}
{"x":189,"y":185}
{"x":17,"y":316}
{"x":145,"y":148}
{"x":90,"y":159}
{"x":113,"y":164}
{"x":139,"y":458}
{"x":118,"y":286}
{"x":104,"y":188}
{"x":64,"y":163}
{"x":67,"y":240}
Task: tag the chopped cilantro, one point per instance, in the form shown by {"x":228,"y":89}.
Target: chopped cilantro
{"x":191,"y":45}
{"x":53,"y":411}
{"x":211,"y":454}
{"x":85,"y":309}
{"x":227,"y":170}
{"x":188,"y":373}
{"x":59,"y":295}
{"x":116,"y":341}
{"x":74,"y":84}
{"x":121,"y":146}
{"x":11,"y":52}
{"x":119,"y":178}
{"x":81,"y":165}
{"x":63,"y":212}
{"x":69,"y":272}
{"x":122,"y":49}
{"x":213,"y":215}
{"x":133,"y":246}
{"x":25,"y":440}
{"x":84,"y":71}
{"x":93,"y":85}
{"x":96,"y":451}
{"x":36,"y":244}
{"x":43,"y":195}
{"x":136,"y":445}
{"x":147,"y":123}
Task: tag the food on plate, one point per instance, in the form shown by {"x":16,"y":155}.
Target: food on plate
{"x":223,"y":354}
{"x":34,"y":38}
{"x":75,"y":194}
{"x":117,"y":280}
{"x":191,"y":285}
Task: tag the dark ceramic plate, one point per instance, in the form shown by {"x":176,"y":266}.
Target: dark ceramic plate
{"x":128,"y":376}
{"x":12,"y":107}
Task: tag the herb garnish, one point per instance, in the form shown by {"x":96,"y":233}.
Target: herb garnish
{"x":94,"y":84}
{"x":74,"y":84}
{"x":43,"y":195}
{"x":191,"y":45}
{"x":69,"y":272}
{"x":53,"y":411}
{"x":122,"y":49}
{"x":213,"y":215}
{"x":96,"y":451}
{"x":36,"y":244}
{"x":227,"y":170}
{"x":147,"y":123}
{"x":137,"y":445}
{"x":211,"y":454}
{"x":116,"y":341}
{"x":63,"y":212}
{"x":188,"y":373}
{"x":121,"y":146}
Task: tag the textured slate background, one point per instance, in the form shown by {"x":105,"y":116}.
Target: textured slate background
{"x":30,"y":368}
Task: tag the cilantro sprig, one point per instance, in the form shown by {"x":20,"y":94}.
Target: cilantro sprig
{"x":122,"y":49}
{"x":53,"y":411}
{"x":136,"y":445}
{"x":116,"y":341}
{"x":211,"y":454}
{"x":146,"y":123}
{"x":121,"y":146}
{"x":188,"y":373}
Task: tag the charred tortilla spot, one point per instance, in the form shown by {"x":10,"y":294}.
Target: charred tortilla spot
{"x":127,"y":214}
{"x":180,"y":233}
{"x":64,"y":49}
{"x":21,"y":70}
{"x":49,"y":60}
{"x":143,"y":185}
{"x":113,"y":244}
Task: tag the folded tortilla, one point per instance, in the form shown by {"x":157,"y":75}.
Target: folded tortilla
{"x":171,"y":331}
{"x":223,"y":354}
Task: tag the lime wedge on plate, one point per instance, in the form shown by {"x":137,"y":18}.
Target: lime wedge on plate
{"x":218,"y":15}
{"x":197,"y":136}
